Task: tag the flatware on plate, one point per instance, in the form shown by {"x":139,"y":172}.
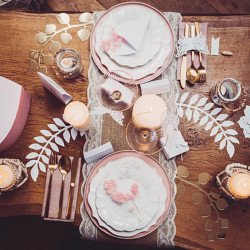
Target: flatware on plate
{"x":74,"y":169}
{"x":64,"y":168}
{"x":52,"y":167}
{"x":201,"y":69}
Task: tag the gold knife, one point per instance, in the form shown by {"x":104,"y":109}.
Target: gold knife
{"x":184,"y":61}
{"x":72,"y":184}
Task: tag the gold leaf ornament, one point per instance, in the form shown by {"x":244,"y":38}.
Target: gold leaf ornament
{"x":63,"y":18}
{"x":205,"y":210}
{"x":41,"y":37}
{"x":34,"y":54}
{"x":66,"y":37}
{"x":83,"y":34}
{"x":182,"y":171}
{"x":85,"y":17}
{"x":48,"y":59}
{"x":221,"y":204}
{"x":33,"y":65}
{"x":54,"y":47}
{"x":181,"y":189}
{"x":43,"y":70}
{"x":209,"y":225}
{"x":50,"y":29}
{"x":204,"y":178}
{"x":197,"y":198}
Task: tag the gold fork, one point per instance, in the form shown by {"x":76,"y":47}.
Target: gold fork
{"x":53,"y":161}
{"x":201,"y":70}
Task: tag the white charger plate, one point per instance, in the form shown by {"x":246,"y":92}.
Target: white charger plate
{"x":104,"y":171}
{"x":150,"y":45}
{"x":118,"y":216}
{"x":142,"y":74}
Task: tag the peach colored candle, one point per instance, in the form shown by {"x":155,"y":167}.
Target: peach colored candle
{"x":6,"y":176}
{"x":239,"y":185}
{"x":148,"y":110}
{"x":77,"y":114}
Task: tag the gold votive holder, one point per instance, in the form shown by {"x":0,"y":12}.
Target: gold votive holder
{"x":234,"y":181}
{"x":68,"y":64}
{"x":20,"y":174}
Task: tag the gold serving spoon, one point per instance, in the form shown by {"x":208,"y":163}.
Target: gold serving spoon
{"x":64,"y":168}
{"x":192,"y":72}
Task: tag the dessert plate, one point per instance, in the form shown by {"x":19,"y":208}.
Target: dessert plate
{"x":163,"y":183}
{"x":151,"y":42}
{"x":125,"y":210}
{"x":146,"y":72}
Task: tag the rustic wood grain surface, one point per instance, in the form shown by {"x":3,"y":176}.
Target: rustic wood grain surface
{"x":187,"y":7}
{"x":17,"y":39}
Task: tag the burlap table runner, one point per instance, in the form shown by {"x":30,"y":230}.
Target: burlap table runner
{"x":105,"y":129}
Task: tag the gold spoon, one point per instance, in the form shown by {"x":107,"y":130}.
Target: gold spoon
{"x":64,"y":168}
{"x":192,"y":72}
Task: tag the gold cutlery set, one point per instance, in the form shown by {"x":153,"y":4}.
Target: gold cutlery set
{"x":192,"y":74}
{"x":64,"y":166}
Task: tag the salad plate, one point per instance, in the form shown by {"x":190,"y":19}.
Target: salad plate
{"x":92,"y":184}
{"x":150,"y":45}
{"x":131,"y":204}
{"x":140,"y":74}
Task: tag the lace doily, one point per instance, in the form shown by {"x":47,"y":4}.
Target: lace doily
{"x":166,"y":232}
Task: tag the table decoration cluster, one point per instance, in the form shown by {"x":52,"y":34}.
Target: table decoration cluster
{"x":144,"y":65}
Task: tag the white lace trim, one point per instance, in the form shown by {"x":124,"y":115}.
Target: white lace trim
{"x":166,"y":232}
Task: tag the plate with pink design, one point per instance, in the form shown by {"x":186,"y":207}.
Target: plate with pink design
{"x":161,"y":57}
{"x":126,"y":200}
{"x":102,"y":171}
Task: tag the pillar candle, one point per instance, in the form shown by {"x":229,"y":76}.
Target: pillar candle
{"x":77,"y":114}
{"x":148,"y":111}
{"x":239,"y":185}
{"x":7,"y":176}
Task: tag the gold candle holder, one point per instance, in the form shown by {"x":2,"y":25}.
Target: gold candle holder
{"x":16,"y":170}
{"x":234,"y":181}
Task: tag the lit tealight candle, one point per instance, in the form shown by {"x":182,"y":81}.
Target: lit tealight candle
{"x":7,"y":176}
{"x":67,"y":63}
{"x":77,"y":114}
{"x":239,"y":185}
{"x":151,"y":108}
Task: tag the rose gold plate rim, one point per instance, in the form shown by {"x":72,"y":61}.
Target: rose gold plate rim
{"x":149,"y":160}
{"x":149,"y":77}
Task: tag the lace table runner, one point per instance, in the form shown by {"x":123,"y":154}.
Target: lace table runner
{"x":105,"y":129}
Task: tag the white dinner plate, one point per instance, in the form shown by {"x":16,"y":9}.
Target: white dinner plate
{"x":102,"y":173}
{"x":152,"y":68}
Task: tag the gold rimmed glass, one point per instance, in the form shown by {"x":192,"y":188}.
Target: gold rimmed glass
{"x":145,"y":133}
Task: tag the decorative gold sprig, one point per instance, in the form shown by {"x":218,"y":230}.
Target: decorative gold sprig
{"x":39,"y":59}
{"x":217,"y":229}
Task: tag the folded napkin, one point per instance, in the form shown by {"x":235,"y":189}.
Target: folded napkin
{"x":203,"y":30}
{"x":55,"y":194}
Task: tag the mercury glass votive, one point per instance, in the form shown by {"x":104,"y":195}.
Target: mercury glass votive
{"x":227,"y":92}
{"x":68,"y":64}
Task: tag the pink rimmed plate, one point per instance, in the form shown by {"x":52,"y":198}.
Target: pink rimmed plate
{"x":140,"y":74}
{"x":149,"y":161}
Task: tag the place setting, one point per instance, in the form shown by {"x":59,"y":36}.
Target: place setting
{"x":152,"y":110}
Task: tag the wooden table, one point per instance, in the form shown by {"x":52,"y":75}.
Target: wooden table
{"x":17,"y":39}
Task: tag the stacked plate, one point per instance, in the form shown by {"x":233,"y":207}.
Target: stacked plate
{"x":133,"y":38}
{"x":127,"y":195}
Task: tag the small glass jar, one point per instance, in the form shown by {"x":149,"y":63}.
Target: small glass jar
{"x":68,"y":64}
{"x":227,"y":92}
